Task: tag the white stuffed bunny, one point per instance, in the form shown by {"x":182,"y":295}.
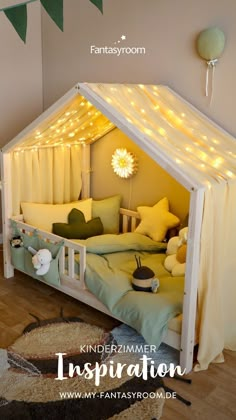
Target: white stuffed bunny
{"x":41,"y":260}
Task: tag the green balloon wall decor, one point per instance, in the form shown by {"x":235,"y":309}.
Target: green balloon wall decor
{"x":211,"y":43}
{"x":210,"y":46}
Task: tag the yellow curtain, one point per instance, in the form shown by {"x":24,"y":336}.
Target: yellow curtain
{"x":217,"y":286}
{"x":46,"y":175}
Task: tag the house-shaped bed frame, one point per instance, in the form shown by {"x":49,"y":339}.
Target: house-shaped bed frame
{"x":194,"y":150}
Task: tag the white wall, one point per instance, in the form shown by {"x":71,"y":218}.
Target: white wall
{"x":21,"y":74}
{"x":166,"y":28}
{"x":21,"y":91}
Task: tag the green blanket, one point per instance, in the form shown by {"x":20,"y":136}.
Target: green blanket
{"x":109,"y":268}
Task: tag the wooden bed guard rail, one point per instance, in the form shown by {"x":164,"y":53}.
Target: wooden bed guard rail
{"x":68,"y":276}
{"x":67,"y":271}
{"x":129,"y":220}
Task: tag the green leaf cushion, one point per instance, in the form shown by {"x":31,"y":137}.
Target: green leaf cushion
{"x":77,"y":227}
{"x":108,"y":210}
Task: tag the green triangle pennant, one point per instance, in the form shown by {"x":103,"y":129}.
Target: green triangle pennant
{"x":55,"y":10}
{"x":98,"y":4}
{"x":18,"y":18}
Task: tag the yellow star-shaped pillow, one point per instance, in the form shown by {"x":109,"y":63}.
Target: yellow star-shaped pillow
{"x":156,"y":220}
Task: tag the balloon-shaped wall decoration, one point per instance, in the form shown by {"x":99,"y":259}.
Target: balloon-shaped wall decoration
{"x":210,"y":46}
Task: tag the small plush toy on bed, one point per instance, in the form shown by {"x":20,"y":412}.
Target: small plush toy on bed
{"x":144,"y":279}
{"x":175,"y":261}
{"x":16,"y":242}
{"x":41,"y":260}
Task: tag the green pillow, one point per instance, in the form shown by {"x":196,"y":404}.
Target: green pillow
{"x":77,"y":227}
{"x":109,"y":212}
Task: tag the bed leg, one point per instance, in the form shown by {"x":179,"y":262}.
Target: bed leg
{"x":6,"y":212}
{"x":8,"y":267}
{"x":186,"y":360}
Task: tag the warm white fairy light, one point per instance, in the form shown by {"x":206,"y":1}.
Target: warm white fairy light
{"x":229,"y":174}
{"x":217,"y":162}
{"x":124,"y":163}
{"x":80,"y":123}
{"x":178,"y":161}
{"x":188,"y":149}
{"x":148,"y":131}
{"x":162,"y":131}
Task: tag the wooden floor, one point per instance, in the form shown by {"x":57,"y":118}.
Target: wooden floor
{"x":212,"y":393}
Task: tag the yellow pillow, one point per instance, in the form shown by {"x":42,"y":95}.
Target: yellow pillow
{"x":42,"y":216}
{"x":156,"y":220}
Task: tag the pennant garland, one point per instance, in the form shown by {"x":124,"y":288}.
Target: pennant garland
{"x":17,"y":14}
{"x":98,"y":4}
{"x":55,"y":10}
{"x":18,"y":18}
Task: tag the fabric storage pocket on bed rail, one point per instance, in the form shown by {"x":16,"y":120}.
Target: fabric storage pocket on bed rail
{"x":18,"y":250}
{"x":52,"y":276}
{"x":17,"y":258}
{"x":22,"y":257}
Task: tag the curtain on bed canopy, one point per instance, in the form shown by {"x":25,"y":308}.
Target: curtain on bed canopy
{"x":46,"y":175}
{"x":46,"y":165}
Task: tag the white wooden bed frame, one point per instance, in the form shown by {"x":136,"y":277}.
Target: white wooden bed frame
{"x":186,"y":341}
{"x":73,"y":284}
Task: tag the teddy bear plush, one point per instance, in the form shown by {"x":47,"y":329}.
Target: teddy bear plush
{"x":41,"y":260}
{"x":175,"y":261}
